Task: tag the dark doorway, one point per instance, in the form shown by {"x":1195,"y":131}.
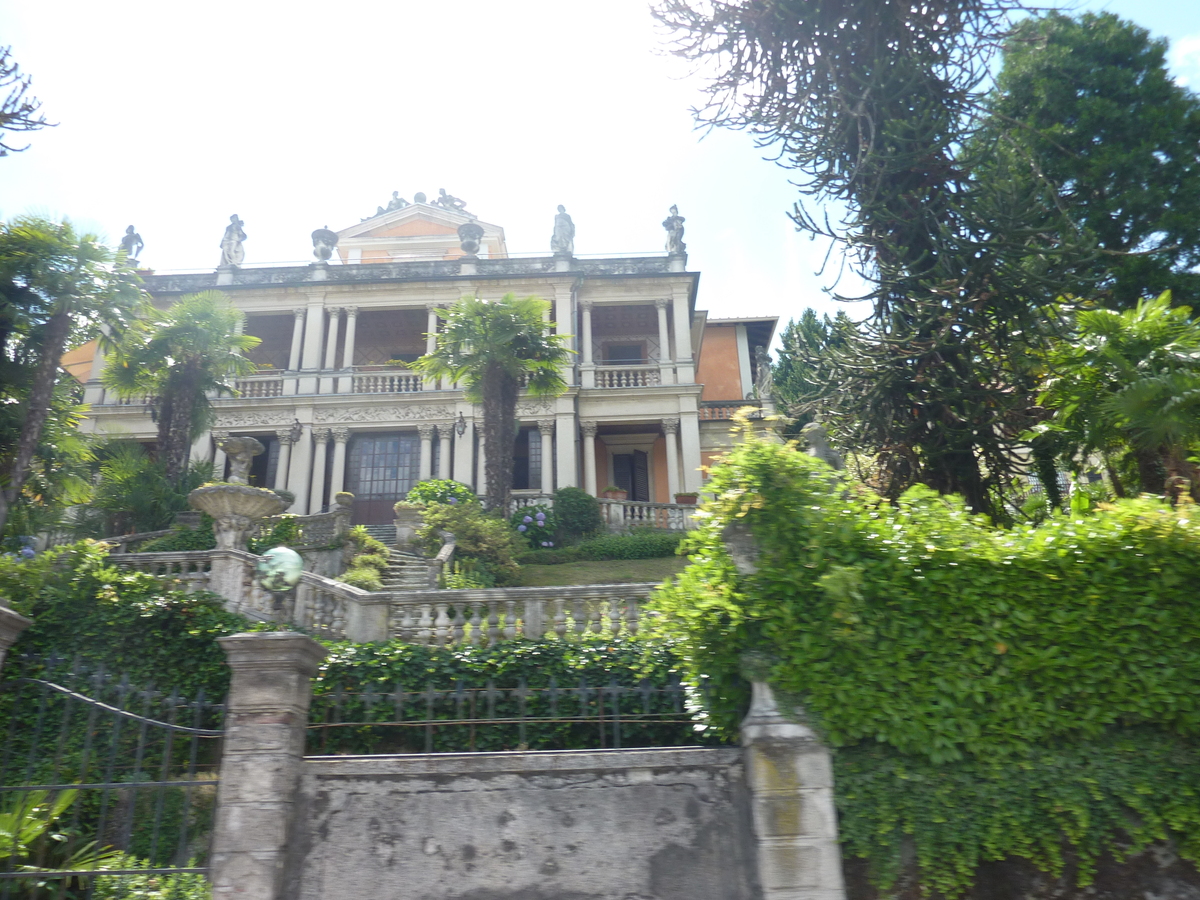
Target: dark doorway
{"x":382,"y":468}
{"x":631,"y":472}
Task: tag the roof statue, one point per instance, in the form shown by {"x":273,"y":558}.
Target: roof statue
{"x":674,"y":226}
{"x":450,"y":202}
{"x":232,"y":251}
{"x":562,"y":242}
{"x":764,"y":379}
{"x":324,"y":242}
{"x":818,"y":445}
{"x":240,"y":451}
{"x":132,"y":244}
{"x":397,"y":202}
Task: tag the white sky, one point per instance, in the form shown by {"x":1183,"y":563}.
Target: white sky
{"x":176,"y":114}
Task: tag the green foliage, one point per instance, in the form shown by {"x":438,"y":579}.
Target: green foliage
{"x":185,"y":886}
{"x":645,"y":543}
{"x":577,"y":513}
{"x":364,"y":543}
{"x":439,"y":490}
{"x":183,"y":539}
{"x":125,"y":621}
{"x":803,"y":370}
{"x":1115,"y":794}
{"x":537,"y":525}
{"x":918,"y":625}
{"x":32,"y":838}
{"x":134,"y":492}
{"x":350,"y":670}
{"x":365,"y":577}
{"x":467,"y":574}
{"x":550,"y":556}
{"x":285,"y":532}
{"x":369,"y":563}
{"x":1089,"y":105}
{"x":479,"y":536}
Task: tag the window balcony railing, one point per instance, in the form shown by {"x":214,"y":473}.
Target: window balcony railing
{"x":396,"y":381}
{"x":263,"y":385}
{"x":621,"y":376}
{"x":715,"y":410}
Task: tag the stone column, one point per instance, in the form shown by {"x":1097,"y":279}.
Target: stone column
{"x":218,"y":437}
{"x":589,"y":457}
{"x":464,"y":455}
{"x":567,"y":471}
{"x":431,"y":328}
{"x":666,"y":372}
{"x":444,"y":430}
{"x":329,"y":382}
{"x":587,"y":368}
{"x":11,"y":626}
{"x":481,"y":463}
{"x":337,"y":478}
{"x":685,"y":368}
{"x":790,"y":778}
{"x":265,"y":722}
{"x":689,"y":441}
{"x":310,"y":359}
{"x":346,"y":382}
{"x":300,"y":472}
{"x":321,"y":441}
{"x":546,"y":428}
{"x":93,"y":391}
{"x":297,"y":340}
{"x":564,"y":325}
{"x":670,"y":429}
{"x":284,"y":459}
{"x":425,"y":467}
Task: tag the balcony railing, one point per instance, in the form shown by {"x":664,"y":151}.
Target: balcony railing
{"x":621,"y":515}
{"x":402,"y":382}
{"x":711,"y":410}
{"x":627,"y":376}
{"x":260,"y":386}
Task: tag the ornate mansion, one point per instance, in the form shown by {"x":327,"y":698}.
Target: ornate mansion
{"x":652,"y":385}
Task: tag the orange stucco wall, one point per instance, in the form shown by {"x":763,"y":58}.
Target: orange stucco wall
{"x":412,"y":228}
{"x":659,"y":462}
{"x":718,"y":369}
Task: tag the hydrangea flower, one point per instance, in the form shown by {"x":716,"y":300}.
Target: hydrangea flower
{"x":527,"y":519}
{"x":541,"y":516}
{"x":521,"y":528}
{"x":453,"y":500}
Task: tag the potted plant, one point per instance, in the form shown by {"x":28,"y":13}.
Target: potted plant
{"x":687,"y":498}
{"x":612,"y":492}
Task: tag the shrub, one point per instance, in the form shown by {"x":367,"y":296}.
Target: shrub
{"x":552,"y":556}
{"x":183,"y":539}
{"x":969,"y":675}
{"x":365,"y":577}
{"x":440,"y":490}
{"x":640,"y":544}
{"x":537,"y":525}
{"x":284,"y":533}
{"x":478,"y":535}
{"x":467,"y":574}
{"x":577,"y":513}
{"x":362,"y":541}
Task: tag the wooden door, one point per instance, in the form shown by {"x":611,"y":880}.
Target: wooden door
{"x":381,"y":470}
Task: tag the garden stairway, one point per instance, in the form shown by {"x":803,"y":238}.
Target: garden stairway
{"x":409,"y":572}
{"x":384,"y":533}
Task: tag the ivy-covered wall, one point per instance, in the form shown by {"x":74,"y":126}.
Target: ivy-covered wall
{"x":1031,"y":693}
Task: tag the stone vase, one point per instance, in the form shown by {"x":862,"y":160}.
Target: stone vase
{"x":408,"y":520}
{"x":235,"y":508}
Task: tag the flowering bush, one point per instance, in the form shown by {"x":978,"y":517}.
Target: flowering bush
{"x":440,"y":490}
{"x":536,"y":525}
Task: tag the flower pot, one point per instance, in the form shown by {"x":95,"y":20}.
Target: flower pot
{"x":687,"y":499}
{"x":614,"y":495}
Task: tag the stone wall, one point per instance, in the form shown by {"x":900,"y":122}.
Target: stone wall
{"x":661,"y":824}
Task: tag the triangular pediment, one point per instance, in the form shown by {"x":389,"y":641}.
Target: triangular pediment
{"x":416,"y":230}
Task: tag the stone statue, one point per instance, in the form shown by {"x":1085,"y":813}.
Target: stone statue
{"x":562,"y":242}
{"x":818,"y":445}
{"x":240,"y":452}
{"x":764,"y":379}
{"x":324,"y":242}
{"x":470,"y":236}
{"x":449,"y":201}
{"x":232,"y":251}
{"x":397,"y":202}
{"x":674,"y":225}
{"x":132,"y":244}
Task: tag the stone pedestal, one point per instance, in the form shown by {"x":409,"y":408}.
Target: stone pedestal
{"x":234,"y":508}
{"x":260,"y":767}
{"x":790,"y":777}
{"x":12,"y":624}
{"x":408,"y":520}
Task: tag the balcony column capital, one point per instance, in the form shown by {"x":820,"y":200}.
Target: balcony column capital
{"x":321,"y":435}
{"x":546,"y":426}
{"x":340,"y":435}
{"x":588,"y":427}
{"x":670,"y":425}
{"x":285,"y":436}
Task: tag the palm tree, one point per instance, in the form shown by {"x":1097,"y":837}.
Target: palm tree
{"x":181,"y":358}
{"x":1132,"y":379}
{"x":493,"y":347}
{"x":56,"y":288}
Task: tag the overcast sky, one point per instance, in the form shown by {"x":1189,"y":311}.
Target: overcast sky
{"x":294,"y":116}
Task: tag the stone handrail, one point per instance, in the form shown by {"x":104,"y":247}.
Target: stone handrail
{"x":396,"y":382}
{"x":260,"y":386}
{"x":627,"y":376}
{"x":621,"y":515}
{"x":335,"y":611}
{"x":711,"y":410}
{"x":121,"y":542}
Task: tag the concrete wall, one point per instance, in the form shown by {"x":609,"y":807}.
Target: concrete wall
{"x":664,"y":824}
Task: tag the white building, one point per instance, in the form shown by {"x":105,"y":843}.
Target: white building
{"x":652,"y":386}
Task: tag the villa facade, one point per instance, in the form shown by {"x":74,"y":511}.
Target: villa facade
{"x":652,"y":384}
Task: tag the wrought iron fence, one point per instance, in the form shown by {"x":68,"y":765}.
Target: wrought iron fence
{"x":100,"y":778}
{"x":465,"y":719}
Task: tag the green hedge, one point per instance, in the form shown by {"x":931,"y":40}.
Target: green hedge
{"x":918,"y":631}
{"x":643,"y":544}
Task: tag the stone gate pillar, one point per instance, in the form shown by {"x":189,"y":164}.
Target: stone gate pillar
{"x":791,"y":786}
{"x":260,"y":766}
{"x":12,"y":624}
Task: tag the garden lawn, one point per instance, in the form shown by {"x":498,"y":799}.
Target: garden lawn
{"x":624,"y":571}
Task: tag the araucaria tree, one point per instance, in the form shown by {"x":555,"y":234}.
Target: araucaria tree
{"x":494,"y":347}
{"x":178,"y":358}
{"x":57,"y":288}
{"x":19,"y":111}
{"x":872,"y":103}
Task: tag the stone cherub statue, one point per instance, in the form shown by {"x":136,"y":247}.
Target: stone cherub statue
{"x":240,"y":451}
{"x":132,"y":244}
{"x":324,"y":242}
{"x":764,"y":379}
{"x":232,"y":251}
{"x":562,"y":242}
{"x":674,"y":226}
{"x":818,"y":445}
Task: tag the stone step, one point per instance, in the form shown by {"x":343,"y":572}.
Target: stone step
{"x":385,"y":533}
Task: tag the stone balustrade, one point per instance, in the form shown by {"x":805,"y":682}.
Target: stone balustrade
{"x":402,"y":382}
{"x":628,"y":376}
{"x":333,"y":610}
{"x":718,"y":410}
{"x":260,"y":386}
{"x":621,"y":515}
